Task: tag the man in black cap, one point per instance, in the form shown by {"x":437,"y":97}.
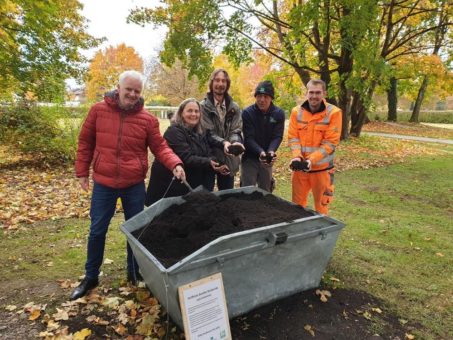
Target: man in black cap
{"x":263,"y":126}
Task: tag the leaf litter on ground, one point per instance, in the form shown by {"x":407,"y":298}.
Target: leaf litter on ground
{"x":139,"y":317}
{"x":408,"y":129}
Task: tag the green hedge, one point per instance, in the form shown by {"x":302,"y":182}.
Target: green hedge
{"x":48,"y":132}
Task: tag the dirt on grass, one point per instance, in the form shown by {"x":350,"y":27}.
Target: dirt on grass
{"x":347,"y":314}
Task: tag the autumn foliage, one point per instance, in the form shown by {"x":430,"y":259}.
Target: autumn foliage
{"x":40,"y":46}
{"x":106,"y":67}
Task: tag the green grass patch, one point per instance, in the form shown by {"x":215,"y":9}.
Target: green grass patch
{"x":63,"y":111}
{"x":57,"y":250}
{"x":366,"y":142}
{"x":397,"y":242}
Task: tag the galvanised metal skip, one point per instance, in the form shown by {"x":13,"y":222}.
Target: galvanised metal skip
{"x":258,"y":266}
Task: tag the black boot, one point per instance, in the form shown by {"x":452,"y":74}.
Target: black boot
{"x":133,"y":278}
{"x":83,"y":288}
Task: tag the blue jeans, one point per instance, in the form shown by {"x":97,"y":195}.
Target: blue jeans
{"x":103,"y":205}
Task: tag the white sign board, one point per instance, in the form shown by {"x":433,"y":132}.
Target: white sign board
{"x":204,"y":310}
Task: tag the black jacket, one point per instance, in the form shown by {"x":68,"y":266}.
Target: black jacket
{"x":195,"y":151}
{"x":262,"y":131}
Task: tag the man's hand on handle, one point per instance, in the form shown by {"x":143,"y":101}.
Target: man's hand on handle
{"x":179,"y":172}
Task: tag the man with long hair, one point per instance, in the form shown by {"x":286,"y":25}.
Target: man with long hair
{"x":222,"y":116}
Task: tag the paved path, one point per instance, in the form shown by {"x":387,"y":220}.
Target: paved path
{"x":420,"y":139}
{"x":443,"y":126}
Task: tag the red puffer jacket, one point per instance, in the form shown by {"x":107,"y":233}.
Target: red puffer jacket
{"x":116,"y":143}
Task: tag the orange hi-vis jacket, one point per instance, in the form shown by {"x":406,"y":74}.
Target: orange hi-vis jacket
{"x":314,"y":136}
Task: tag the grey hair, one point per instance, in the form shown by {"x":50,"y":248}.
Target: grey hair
{"x":132,"y":74}
{"x":177,"y":118}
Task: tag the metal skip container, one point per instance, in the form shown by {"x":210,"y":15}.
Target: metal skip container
{"x":258,"y":266}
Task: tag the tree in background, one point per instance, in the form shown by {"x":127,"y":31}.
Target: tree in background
{"x":349,"y":44}
{"x":39,"y":47}
{"x":170,"y":84}
{"x":438,"y":39}
{"x":245,"y":79}
{"x":408,"y":75}
{"x":106,"y":66}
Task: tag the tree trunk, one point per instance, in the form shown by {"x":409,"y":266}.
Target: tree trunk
{"x":346,"y":118}
{"x":360,"y":106}
{"x":303,"y":74}
{"x":344,"y":103}
{"x":418,"y":103}
{"x":359,"y":119}
{"x":354,"y":109}
{"x":344,"y":71}
{"x":325,"y":76}
{"x":392,"y":100}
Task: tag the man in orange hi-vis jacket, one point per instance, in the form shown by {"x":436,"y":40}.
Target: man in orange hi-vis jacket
{"x":313,"y":134}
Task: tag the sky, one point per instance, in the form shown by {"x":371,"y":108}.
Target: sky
{"x":107,"y":18}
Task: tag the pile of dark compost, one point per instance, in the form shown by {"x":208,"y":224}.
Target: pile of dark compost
{"x":182,"y":229}
{"x":347,"y":315}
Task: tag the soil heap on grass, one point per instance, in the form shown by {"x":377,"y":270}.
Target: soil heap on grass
{"x":182,"y":229}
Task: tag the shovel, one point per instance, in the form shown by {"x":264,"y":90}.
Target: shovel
{"x":184,"y":181}
{"x":200,"y":194}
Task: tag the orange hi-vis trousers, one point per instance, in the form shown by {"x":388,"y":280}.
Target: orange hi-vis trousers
{"x":320,"y":183}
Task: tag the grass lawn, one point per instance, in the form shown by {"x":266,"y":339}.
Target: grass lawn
{"x":398,"y":241}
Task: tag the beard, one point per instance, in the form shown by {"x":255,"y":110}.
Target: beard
{"x":219,"y":90}
{"x":127,"y":103}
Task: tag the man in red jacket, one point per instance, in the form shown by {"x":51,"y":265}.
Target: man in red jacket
{"x":114,"y":140}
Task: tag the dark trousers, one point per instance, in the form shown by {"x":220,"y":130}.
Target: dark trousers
{"x":253,"y":172}
{"x":103,"y":205}
{"x":224,"y":182}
